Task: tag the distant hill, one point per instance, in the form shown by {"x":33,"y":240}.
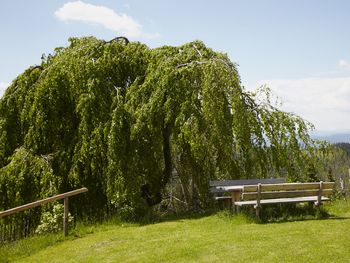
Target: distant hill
{"x":344,"y":146}
{"x":334,"y":138}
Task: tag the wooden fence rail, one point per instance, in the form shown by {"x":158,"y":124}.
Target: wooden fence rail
{"x":64,"y":196}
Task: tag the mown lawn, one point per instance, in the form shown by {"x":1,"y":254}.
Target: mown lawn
{"x":214,"y":238}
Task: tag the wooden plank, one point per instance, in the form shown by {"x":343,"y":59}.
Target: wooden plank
{"x":223,"y":197}
{"x":215,"y":183}
{"x":259,"y":196}
{"x":289,"y":186}
{"x":282,"y":200}
{"x":320,"y":193}
{"x":65,"y":217}
{"x":231,"y":188}
{"x":284,"y":194}
{"x":258,"y":199}
{"x":236,"y":196}
{"x":42,"y":202}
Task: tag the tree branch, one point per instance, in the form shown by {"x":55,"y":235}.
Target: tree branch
{"x":117,"y":39}
{"x":191,"y":64}
{"x":195,"y":47}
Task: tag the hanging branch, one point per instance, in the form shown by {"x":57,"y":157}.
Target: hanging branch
{"x":108,"y":42}
{"x":191,"y":64}
{"x":36,"y":67}
{"x":195,"y":47}
{"x":117,"y":39}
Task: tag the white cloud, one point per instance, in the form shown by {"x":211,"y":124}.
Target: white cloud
{"x":101,"y":15}
{"x":3,"y":87}
{"x":322,"y":101}
{"x":344,"y":64}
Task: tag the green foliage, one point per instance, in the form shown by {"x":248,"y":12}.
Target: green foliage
{"x":337,"y":165}
{"x":26,"y":178}
{"x":52,"y":221}
{"x":121,"y":118}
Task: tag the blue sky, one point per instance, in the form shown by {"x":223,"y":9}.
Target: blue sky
{"x":301,"y":49}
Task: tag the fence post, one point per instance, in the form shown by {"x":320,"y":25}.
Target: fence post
{"x":65,"y":217}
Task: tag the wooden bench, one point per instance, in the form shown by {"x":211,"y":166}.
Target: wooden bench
{"x":261,"y":194}
{"x":220,"y":188}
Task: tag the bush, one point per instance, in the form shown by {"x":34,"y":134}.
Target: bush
{"x":52,"y":221}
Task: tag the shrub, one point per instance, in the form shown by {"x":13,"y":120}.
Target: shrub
{"x":52,"y":221}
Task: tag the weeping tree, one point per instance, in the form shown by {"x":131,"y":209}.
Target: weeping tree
{"x":119,"y":118}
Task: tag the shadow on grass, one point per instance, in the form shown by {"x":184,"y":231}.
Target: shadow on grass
{"x":184,"y":215}
{"x":273,"y":213}
{"x":278,"y":213}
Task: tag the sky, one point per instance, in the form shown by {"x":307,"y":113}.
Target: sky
{"x":299,"y":48}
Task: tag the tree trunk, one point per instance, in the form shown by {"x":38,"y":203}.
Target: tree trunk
{"x":167,"y":156}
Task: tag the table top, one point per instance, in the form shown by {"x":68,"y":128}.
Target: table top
{"x":231,"y":188}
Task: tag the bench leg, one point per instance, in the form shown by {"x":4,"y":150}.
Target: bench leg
{"x":257,"y":212}
{"x":235,"y":197}
{"x":227,"y":203}
{"x":233,"y":207}
{"x":318,"y":206}
{"x":238,"y":208}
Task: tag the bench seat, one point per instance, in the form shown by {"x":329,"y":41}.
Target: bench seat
{"x":282,"y":200}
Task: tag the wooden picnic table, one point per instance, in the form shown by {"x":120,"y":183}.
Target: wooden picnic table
{"x":220,"y":188}
{"x":235,"y":191}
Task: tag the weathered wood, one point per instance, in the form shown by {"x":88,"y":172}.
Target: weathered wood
{"x":231,"y":188}
{"x":236,"y":196}
{"x":257,"y":211}
{"x":320,"y":193}
{"x":258,"y":196}
{"x":65,"y":216}
{"x":282,"y":200}
{"x":223,"y":197}
{"x":42,"y":202}
{"x":285,"y":194}
{"x":288,"y":186}
{"x":216,"y":183}
{"x":258,"y":199}
{"x":220,"y":187}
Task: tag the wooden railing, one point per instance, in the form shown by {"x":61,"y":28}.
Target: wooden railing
{"x":64,"y":196}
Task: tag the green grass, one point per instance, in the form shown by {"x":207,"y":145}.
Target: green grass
{"x":214,"y":238}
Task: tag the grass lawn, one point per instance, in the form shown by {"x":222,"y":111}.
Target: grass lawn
{"x":214,"y":238}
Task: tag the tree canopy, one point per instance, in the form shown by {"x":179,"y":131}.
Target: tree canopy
{"x":121,"y":118}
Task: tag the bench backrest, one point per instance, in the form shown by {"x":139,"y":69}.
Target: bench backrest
{"x":287,"y":190}
{"x":217,"y":183}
